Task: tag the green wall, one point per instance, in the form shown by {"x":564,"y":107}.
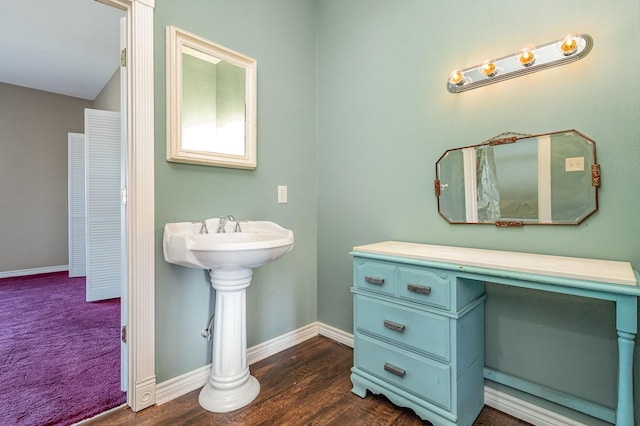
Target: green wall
{"x":353,"y":114}
{"x":280,"y":35}
{"x":385,"y":117}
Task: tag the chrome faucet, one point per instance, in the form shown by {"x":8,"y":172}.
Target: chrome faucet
{"x":203,"y":228}
{"x":223,"y":222}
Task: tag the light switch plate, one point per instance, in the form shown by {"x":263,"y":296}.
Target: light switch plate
{"x":282,"y":194}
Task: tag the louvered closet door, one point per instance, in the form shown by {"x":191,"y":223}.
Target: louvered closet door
{"x":77,"y":250}
{"x":103,"y":199}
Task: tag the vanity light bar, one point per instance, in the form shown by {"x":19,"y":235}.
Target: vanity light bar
{"x":526,"y":61}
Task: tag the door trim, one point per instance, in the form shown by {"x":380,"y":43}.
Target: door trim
{"x":140,"y":206}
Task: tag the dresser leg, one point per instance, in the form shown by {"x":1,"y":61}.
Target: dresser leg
{"x":358,"y":388}
{"x":626,"y":343}
{"x":627,"y":326}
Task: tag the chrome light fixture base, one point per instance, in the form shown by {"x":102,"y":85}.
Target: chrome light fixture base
{"x":526,"y":61}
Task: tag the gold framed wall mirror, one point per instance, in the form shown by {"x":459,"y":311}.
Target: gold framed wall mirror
{"x":211,"y":103}
{"x":516,"y":179}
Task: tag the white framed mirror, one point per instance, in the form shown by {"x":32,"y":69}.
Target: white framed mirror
{"x":211,"y":103}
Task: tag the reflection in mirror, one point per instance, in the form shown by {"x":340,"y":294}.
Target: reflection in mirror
{"x":516,"y":179}
{"x":211,"y":103}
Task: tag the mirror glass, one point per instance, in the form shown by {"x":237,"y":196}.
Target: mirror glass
{"x":513,"y":180}
{"x":210,"y":104}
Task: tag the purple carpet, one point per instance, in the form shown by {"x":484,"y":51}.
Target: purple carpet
{"x":59,"y":355}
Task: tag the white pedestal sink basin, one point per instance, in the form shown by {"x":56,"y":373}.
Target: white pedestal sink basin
{"x":230,"y":257}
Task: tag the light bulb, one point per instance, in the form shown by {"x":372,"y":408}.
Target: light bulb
{"x":456,"y":77}
{"x":569,"y":45}
{"x":527,"y":57}
{"x":489,"y":68}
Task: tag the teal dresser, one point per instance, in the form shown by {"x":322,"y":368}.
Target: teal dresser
{"x":419,"y":324}
{"x":418,"y":338}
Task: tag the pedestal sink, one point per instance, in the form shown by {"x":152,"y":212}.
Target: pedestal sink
{"x":230,"y":258}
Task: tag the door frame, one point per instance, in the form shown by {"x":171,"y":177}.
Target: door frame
{"x":141,"y":389}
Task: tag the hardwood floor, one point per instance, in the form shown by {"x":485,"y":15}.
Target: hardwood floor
{"x":305,"y":385}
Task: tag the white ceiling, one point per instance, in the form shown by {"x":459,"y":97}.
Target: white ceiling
{"x":70,"y":47}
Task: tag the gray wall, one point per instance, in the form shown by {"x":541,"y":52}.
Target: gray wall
{"x":109,"y":97}
{"x":33,"y":172}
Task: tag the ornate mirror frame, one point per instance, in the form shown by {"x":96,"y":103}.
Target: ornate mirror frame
{"x":516,"y":179}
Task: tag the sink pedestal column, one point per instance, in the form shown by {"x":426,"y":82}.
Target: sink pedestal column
{"x":230,"y":385}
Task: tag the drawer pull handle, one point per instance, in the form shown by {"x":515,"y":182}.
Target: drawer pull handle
{"x":422,"y":289}
{"x":394,"y":326}
{"x":374,"y":280}
{"x":394,"y":370}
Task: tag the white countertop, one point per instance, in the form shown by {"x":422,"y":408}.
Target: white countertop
{"x":604,"y":271}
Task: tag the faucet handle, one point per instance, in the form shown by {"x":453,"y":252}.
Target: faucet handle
{"x":221,"y":224}
{"x":203,"y":225}
{"x":237,"y":228}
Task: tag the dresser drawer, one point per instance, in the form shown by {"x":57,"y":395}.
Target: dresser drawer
{"x":421,"y":330}
{"x":423,"y":377}
{"x":374,"y":276}
{"x":424,"y":286}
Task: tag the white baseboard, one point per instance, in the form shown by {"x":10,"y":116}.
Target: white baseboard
{"x":33,"y":271}
{"x":335,"y":334}
{"x":181,"y":385}
{"x":524,"y":410}
{"x":280,"y":343}
{"x":178,"y":386}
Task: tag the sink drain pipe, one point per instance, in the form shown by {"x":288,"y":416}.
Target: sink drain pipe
{"x":207,"y":332}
